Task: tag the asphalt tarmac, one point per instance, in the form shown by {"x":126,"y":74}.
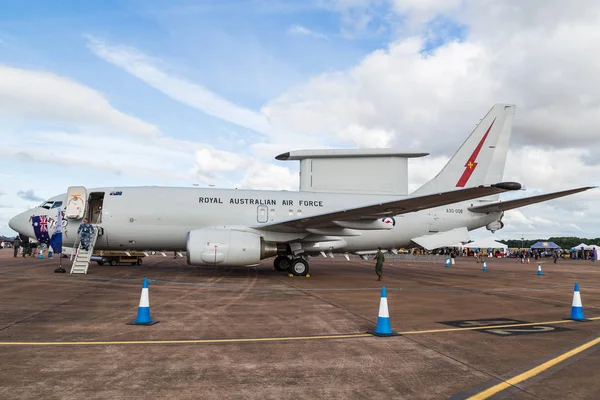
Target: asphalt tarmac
{"x":256,"y":333}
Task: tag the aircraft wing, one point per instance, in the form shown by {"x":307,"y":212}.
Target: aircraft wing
{"x":378,"y":211}
{"x":525,"y":201}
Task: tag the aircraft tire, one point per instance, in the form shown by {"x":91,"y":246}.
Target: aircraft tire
{"x":113,"y":262}
{"x":281,"y":263}
{"x":139,"y":261}
{"x":298,"y":267}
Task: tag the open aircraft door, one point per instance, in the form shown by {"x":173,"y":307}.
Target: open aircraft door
{"x":76,"y":202}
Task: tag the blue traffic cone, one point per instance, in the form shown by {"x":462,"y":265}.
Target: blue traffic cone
{"x":577,"y":308}
{"x":484,"y":266}
{"x":540,"y":269}
{"x":447,"y":262}
{"x":383,"y":319}
{"x":50,"y":253}
{"x":143,"y":317}
{"x":41,"y":255}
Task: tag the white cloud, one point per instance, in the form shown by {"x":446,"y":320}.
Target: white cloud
{"x":418,"y":12}
{"x":436,"y":99}
{"x":393,"y":96}
{"x":269,"y":177}
{"x":266,"y":122}
{"x":211,"y":163}
{"x":29,"y":195}
{"x":543,"y":169}
{"x":304,"y":31}
{"x":543,"y":221}
{"x":194,"y":95}
{"x":372,"y":17}
{"x":43,"y":95}
{"x":97,"y":150}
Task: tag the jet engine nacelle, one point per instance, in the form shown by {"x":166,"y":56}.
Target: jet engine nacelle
{"x":210,"y":246}
{"x":494,"y":226}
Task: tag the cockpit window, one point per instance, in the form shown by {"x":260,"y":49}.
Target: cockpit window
{"x":47,"y":204}
{"x":57,"y":204}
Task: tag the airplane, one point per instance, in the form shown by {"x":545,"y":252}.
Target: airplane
{"x":353,"y":204}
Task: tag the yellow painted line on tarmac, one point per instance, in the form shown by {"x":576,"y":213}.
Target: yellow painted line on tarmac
{"x":276,"y":339}
{"x":533,"y":372}
{"x":187,"y":341}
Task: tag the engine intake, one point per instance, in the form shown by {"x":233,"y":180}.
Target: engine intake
{"x":495,"y":226}
{"x":210,"y":246}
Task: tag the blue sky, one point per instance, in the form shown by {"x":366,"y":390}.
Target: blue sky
{"x":241,"y":50}
{"x":199,"y":92}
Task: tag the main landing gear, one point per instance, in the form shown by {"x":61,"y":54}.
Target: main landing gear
{"x":297,"y":266}
{"x":281,"y":263}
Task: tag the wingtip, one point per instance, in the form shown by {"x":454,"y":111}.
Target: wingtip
{"x":508,"y":185}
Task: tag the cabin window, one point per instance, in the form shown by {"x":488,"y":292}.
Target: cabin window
{"x":57,"y":204}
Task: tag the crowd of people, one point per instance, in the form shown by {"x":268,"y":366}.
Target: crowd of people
{"x":22,"y":248}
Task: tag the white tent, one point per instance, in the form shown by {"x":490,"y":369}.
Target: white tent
{"x":485,"y":243}
{"x":585,"y":246}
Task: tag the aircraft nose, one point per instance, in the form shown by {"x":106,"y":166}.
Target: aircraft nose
{"x":20,"y":224}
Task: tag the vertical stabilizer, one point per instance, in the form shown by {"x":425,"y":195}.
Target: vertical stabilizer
{"x":481,"y":158}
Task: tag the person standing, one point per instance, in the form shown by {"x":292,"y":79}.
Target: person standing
{"x":26,"y":248}
{"x":379,"y":264}
{"x":16,"y":246}
{"x":86,"y":230}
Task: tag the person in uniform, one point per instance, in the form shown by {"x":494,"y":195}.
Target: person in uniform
{"x":85,"y":231}
{"x":16,"y":245}
{"x":379,"y":264}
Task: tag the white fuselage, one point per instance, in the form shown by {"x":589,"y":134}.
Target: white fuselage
{"x":158,"y":218}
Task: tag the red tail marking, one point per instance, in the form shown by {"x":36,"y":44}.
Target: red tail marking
{"x":471,"y":164}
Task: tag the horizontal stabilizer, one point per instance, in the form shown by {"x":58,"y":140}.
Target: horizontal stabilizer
{"x":510,"y":204}
{"x":443,"y":239}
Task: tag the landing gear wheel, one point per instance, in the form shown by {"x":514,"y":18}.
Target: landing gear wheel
{"x":281,"y":263}
{"x":298,"y":267}
{"x":139,"y":261}
{"x":113,"y":262}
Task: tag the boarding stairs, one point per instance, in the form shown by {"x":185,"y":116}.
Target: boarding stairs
{"x":82,"y":257}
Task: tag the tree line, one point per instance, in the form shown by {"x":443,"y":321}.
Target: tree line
{"x":563,"y":242}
